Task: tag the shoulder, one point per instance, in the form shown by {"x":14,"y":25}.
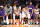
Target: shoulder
{"x":10,"y":7}
{"x":5,"y":7}
{"x":38,"y":8}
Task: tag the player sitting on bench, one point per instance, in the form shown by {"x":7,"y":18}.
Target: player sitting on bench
{"x":25,"y":13}
{"x":36,"y":14}
{"x":17,"y":12}
{"x":2,"y":15}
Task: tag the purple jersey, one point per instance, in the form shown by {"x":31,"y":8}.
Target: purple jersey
{"x":30,"y":8}
{"x":2,"y":12}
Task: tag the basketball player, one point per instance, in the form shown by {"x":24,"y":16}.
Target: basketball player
{"x":25,"y":12}
{"x":36,"y":14}
{"x":2,"y":14}
{"x":17,"y":12}
{"x":23,"y":15}
{"x":31,"y":8}
{"x":8,"y":11}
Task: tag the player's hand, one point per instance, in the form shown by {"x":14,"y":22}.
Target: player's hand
{"x":17,"y":14}
{"x":31,"y":14}
{"x":4,"y":21}
{"x":6,"y":14}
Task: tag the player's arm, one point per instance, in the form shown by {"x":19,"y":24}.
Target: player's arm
{"x":3,"y":13}
{"x":38,"y":11}
{"x":34,"y":10}
{"x":10,"y":9}
{"x":28,"y":9}
{"x":20,"y":10}
{"x":5,"y":10}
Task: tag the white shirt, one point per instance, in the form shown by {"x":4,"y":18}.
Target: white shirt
{"x":23,"y":14}
{"x":8,"y":10}
{"x":26,"y":12}
{"x":17,"y":11}
{"x":14,"y":7}
{"x":36,"y":11}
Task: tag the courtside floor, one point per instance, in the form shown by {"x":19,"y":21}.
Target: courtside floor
{"x":21,"y":26}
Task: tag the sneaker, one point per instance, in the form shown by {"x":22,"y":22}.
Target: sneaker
{"x":36,"y":22}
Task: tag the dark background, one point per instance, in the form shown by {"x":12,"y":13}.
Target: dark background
{"x":21,"y":2}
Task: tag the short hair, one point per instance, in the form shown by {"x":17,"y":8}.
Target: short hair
{"x":30,"y":2}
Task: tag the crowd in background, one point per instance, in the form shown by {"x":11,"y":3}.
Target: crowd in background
{"x":20,"y":2}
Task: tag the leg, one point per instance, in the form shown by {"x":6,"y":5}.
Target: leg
{"x":33,"y":18}
{"x":10,"y":16}
{"x":0,"y":20}
{"x":22,"y":19}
